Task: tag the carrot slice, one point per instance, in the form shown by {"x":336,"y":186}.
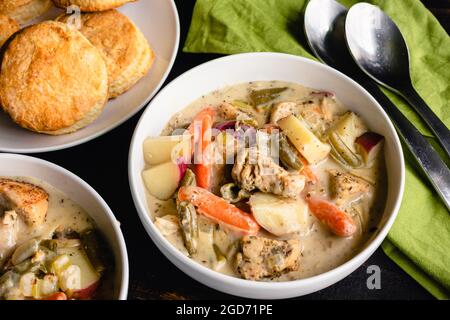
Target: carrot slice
{"x":203,"y":175}
{"x":328,"y":213}
{"x":307,"y":172}
{"x":219,"y":210}
{"x":202,"y":115}
{"x":200,"y":129}
{"x":309,"y":175}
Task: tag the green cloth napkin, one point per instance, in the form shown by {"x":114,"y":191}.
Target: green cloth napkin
{"x":419,"y":241}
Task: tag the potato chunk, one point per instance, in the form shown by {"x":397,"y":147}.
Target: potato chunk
{"x":304,"y":140}
{"x":162,"y":149}
{"x":278,"y":215}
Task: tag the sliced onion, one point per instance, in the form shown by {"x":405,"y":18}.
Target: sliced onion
{"x":222,"y":126}
{"x":182,"y":166}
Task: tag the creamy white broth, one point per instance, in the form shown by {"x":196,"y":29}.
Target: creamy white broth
{"x":321,"y":250}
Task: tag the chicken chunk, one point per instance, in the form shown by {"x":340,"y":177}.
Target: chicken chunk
{"x":9,"y":229}
{"x":227,"y":111}
{"x":167,"y":224}
{"x":254,"y":170}
{"x":263,"y":257}
{"x":318,"y":111}
{"x":346,"y":187}
{"x":283,"y":109}
{"x":30,"y":202}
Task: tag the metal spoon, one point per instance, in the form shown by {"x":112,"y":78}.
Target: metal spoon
{"x":379,"y":50}
{"x":324,"y":28}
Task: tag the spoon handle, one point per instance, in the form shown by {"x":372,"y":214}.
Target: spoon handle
{"x":433,"y":166}
{"x":436,"y":125}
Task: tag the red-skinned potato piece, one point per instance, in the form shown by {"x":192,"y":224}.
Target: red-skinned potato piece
{"x":86,"y":293}
{"x":369,"y":145}
{"x":182,"y":167}
{"x":90,"y":277}
{"x":163,"y":179}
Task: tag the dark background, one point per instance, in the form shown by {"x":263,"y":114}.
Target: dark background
{"x":103,"y":164}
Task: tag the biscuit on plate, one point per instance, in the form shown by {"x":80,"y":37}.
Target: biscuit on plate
{"x":92,"y":5}
{"x":8,"y":26}
{"x":24,"y":10}
{"x":52,"y":79}
{"x":127,"y":53}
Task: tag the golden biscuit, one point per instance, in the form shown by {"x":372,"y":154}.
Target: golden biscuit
{"x":124,"y":48}
{"x":52,"y":79}
{"x":8,"y":27}
{"x":24,"y":10}
{"x":91,"y":5}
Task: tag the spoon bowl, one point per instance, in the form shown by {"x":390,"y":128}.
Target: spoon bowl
{"x":380,"y":50}
{"x":378,"y":46}
{"x":326,"y":34}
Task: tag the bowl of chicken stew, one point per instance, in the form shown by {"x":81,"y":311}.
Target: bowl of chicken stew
{"x":283,"y":176}
{"x":59,"y":240}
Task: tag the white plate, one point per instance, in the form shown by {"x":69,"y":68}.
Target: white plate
{"x":252,"y":67}
{"x":158,"y":20}
{"x":14,"y":165}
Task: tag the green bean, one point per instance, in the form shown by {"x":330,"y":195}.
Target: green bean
{"x":93,"y":249}
{"x":25,"y":251}
{"x":50,"y":244}
{"x":43,"y":268}
{"x":248,"y":111}
{"x":264,"y":108}
{"x":252,"y":122}
{"x":288,"y":155}
{"x":27,"y":266}
{"x":54,"y":244}
{"x":221,"y":260}
{"x":7,"y":281}
{"x":188,"y":179}
{"x":243,"y":106}
{"x":342,"y":153}
{"x":22,"y":267}
{"x":233,"y":248}
{"x":232,"y":193}
{"x":187,"y":216}
{"x":262,"y":96}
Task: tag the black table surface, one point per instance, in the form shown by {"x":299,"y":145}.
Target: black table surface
{"x":103,"y":164}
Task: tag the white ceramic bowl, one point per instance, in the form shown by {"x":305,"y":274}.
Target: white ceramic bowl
{"x":80,"y":192}
{"x":251,"y":67}
{"x":158,"y":20}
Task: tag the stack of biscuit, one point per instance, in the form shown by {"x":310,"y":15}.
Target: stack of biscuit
{"x":8,"y":26}
{"x":92,"y":5}
{"x":56,"y":76}
{"x":24,"y":10}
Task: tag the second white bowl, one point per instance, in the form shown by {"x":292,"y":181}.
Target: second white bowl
{"x":13,"y":165}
